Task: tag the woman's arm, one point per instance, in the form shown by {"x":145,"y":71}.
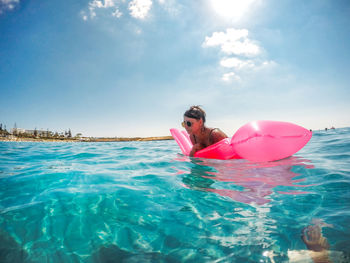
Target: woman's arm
{"x":316,"y":243}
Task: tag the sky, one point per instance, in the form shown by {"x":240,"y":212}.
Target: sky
{"x":118,"y":68}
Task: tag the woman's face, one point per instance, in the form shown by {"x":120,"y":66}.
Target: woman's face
{"x":192,"y":125}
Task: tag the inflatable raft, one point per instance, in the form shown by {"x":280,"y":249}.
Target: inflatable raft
{"x":259,"y":141}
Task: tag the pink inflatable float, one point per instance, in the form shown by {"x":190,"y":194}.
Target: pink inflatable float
{"x":259,"y":141}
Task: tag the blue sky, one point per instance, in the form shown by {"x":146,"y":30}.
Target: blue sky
{"x":131,"y":68}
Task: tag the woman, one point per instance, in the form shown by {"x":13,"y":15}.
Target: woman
{"x":200,"y":135}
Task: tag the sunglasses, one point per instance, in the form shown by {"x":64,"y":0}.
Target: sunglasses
{"x":187,"y":123}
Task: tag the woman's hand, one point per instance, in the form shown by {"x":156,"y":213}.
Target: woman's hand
{"x":197,"y":147}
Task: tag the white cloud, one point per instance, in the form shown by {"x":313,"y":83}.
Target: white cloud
{"x":117,"y":13}
{"x":6,"y":5}
{"x":227,"y":77}
{"x":233,"y":41}
{"x":244,"y":66}
{"x":98,"y":4}
{"x":102,"y":4}
{"x":242,"y":54}
{"x":231,"y":34}
{"x":138,"y":31}
{"x":84,"y":16}
{"x":236,"y":63}
{"x":172,"y":7}
{"x":140,"y":8}
{"x":267,"y":65}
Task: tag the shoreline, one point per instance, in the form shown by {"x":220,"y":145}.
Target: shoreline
{"x":85,"y":139}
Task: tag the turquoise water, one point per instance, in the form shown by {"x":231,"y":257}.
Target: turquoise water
{"x":145,"y":202}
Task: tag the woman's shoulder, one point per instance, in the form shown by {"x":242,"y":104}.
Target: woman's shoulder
{"x":216,"y":135}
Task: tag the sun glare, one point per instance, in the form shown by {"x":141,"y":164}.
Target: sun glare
{"x":231,"y":9}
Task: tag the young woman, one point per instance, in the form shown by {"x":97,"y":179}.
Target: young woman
{"x":200,"y":135}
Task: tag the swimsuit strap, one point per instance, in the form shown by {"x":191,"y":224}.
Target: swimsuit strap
{"x":212,"y":131}
{"x":195,"y":140}
{"x":210,"y":140}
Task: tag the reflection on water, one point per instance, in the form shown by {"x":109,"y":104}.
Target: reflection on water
{"x":256,"y":184}
{"x":244,"y":181}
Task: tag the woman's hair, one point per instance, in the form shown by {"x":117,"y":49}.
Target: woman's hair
{"x":195,"y":112}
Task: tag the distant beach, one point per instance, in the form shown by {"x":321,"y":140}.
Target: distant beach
{"x":13,"y":138}
{"x":23,"y":135}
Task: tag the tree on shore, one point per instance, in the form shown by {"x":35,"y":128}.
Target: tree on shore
{"x":45,"y":134}
{"x":3,"y":130}
{"x":15,"y":129}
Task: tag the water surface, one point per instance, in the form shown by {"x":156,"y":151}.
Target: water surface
{"x":145,"y":202}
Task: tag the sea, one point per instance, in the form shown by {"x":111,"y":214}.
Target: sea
{"x":146,"y":202}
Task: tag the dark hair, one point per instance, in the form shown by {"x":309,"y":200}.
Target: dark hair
{"x":195,"y":112}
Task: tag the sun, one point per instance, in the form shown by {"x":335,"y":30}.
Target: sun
{"x":231,"y":9}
